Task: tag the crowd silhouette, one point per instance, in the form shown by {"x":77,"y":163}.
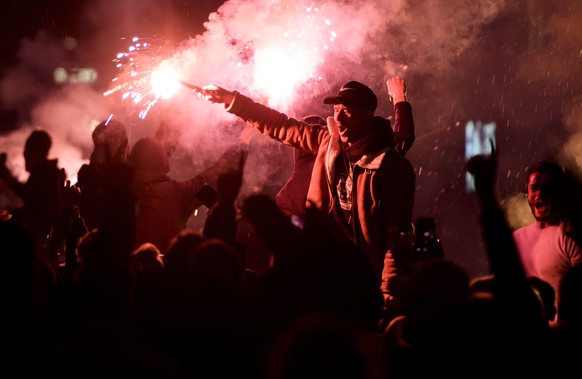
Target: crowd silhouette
{"x":98,"y":296}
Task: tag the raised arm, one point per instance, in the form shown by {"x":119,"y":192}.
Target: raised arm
{"x":511,"y":287}
{"x":268,"y":121}
{"x":403,"y":127}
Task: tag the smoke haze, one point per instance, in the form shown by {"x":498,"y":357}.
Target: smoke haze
{"x":515,"y":63}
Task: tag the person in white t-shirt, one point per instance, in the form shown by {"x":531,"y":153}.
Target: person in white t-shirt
{"x":547,"y":247}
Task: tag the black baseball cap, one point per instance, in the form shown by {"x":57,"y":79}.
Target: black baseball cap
{"x":354,"y":95}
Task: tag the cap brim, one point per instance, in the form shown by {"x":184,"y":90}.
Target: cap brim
{"x":332,"y":100}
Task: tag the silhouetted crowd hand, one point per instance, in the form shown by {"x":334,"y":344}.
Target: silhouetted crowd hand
{"x":71,"y":194}
{"x":484,"y":171}
{"x":165,"y":321}
{"x":229,"y":183}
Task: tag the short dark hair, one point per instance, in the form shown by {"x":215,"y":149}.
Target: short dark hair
{"x":547,"y":166}
{"x":557,"y":186}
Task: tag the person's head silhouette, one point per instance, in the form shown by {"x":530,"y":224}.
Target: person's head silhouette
{"x":36,"y":148}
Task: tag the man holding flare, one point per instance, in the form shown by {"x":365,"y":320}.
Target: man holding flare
{"x":359,"y":177}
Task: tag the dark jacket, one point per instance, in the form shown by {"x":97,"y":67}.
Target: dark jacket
{"x":42,"y":196}
{"x":165,"y":204}
{"x":97,"y":182}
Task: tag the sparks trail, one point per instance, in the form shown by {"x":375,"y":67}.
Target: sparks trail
{"x":146,"y":74}
{"x":277,"y":64}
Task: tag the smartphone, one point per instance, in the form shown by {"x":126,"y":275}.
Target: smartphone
{"x":427,"y":243}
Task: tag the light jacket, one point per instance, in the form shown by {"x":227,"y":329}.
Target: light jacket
{"x":384,"y":185}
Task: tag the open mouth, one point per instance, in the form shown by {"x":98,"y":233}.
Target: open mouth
{"x":542,"y":207}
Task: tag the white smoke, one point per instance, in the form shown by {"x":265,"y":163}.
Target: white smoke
{"x":362,"y":40}
{"x":505,"y":61}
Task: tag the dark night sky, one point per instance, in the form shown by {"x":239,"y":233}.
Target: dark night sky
{"x":60,"y":18}
{"x":515,"y":63}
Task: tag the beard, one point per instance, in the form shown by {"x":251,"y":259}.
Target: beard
{"x":541,"y":212}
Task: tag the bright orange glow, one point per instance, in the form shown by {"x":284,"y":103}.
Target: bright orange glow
{"x":279,"y":70}
{"x":292,"y":56}
{"x":146,"y":76}
{"x":164,"y":81}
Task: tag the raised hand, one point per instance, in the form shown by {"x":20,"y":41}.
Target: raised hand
{"x":216,"y":94}
{"x":71,"y":194}
{"x":229,"y":183}
{"x":484,"y":171}
{"x":396,"y":89}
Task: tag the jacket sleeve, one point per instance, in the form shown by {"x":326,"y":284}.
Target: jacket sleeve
{"x":397,"y":208}
{"x":277,"y":125}
{"x":404,"y":135}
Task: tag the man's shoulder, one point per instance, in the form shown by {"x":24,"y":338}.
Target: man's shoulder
{"x":393,"y":157}
{"x":47,"y":165}
{"x":529,"y":228}
{"x":47,"y":170}
{"x":391,"y":163}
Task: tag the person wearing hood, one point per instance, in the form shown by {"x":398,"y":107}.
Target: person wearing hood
{"x":42,"y":192}
{"x":166,"y":204}
{"x":107,"y":171}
